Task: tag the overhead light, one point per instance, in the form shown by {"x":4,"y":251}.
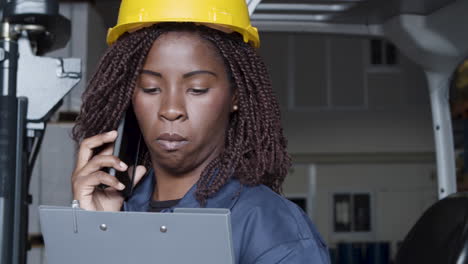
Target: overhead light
{"x":305,"y":7}
{"x":292,"y":17}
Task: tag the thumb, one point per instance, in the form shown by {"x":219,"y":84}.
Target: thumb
{"x":139,"y":173}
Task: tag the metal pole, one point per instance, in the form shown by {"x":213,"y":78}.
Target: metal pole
{"x":8,"y":139}
{"x":10,"y":143}
{"x":443,"y":134}
{"x":21,"y":202}
{"x":9,"y":60}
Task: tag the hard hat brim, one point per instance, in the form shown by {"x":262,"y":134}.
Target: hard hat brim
{"x":250,"y":34}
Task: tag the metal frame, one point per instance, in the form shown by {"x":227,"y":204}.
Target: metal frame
{"x":305,"y":7}
{"x":252,"y":5}
{"x":313,"y":26}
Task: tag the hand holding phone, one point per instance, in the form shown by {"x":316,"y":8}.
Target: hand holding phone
{"x":127,"y":148}
{"x":89,"y":173}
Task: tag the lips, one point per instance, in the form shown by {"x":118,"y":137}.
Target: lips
{"x":171,"y":142}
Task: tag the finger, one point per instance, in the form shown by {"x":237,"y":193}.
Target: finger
{"x":100,"y":177}
{"x":86,"y":186}
{"x":139,"y":173}
{"x":86,"y":147}
{"x":101,"y":161}
{"x":130,"y":171}
{"x":108,"y":150}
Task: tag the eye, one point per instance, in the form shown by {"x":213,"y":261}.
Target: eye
{"x":151,"y":90}
{"x":198,"y":91}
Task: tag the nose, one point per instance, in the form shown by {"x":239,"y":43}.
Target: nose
{"x":172,"y":107}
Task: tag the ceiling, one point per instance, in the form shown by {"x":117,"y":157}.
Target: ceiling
{"x":347,"y":11}
{"x":329,"y":11}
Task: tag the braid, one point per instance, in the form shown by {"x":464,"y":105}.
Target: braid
{"x":110,"y":90}
{"x":255,"y":147}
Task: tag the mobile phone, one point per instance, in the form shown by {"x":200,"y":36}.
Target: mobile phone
{"x":127,"y":149}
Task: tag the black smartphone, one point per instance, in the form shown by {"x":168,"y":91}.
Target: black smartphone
{"x":127,"y":148}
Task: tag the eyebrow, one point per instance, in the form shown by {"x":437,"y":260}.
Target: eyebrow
{"x":186,"y":75}
{"x":190,"y":74}
{"x":157,"y":74}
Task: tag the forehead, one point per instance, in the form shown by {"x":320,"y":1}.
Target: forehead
{"x":184,"y":48}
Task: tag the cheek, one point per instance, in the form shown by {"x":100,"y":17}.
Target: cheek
{"x":211,"y":115}
{"x":145,"y":112}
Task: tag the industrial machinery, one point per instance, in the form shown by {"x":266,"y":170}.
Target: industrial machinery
{"x":32,"y":88}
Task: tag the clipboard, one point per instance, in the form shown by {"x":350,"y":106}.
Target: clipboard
{"x":188,"y":235}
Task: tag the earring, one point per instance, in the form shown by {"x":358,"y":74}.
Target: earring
{"x":235,"y":108}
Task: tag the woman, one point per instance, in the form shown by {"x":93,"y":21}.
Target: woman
{"x":212,"y":137}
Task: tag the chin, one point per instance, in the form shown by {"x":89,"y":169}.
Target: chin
{"x":173,"y":161}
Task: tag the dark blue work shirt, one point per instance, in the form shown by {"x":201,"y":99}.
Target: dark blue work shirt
{"x":266,"y":227}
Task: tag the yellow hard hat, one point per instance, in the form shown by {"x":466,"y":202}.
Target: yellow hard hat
{"x":229,"y":14}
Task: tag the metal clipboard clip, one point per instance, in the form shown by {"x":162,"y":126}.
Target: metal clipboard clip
{"x":75,"y":206}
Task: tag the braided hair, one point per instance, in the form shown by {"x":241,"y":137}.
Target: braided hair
{"x":255,"y":147}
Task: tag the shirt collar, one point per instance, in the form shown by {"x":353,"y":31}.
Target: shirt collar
{"x":226,"y":197}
